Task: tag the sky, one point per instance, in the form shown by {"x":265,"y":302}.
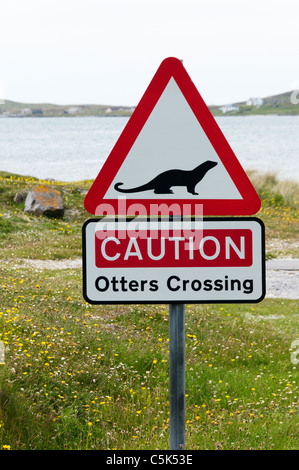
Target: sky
{"x":107,"y":51}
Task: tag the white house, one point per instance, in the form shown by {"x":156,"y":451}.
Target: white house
{"x":26,"y":112}
{"x":75,"y":110}
{"x":255,"y":102}
{"x":229,"y":107}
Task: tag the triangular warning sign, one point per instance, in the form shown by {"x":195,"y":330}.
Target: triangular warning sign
{"x":173,"y":151}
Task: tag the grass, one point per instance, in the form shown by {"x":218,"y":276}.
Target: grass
{"x":25,"y":236}
{"x":79,"y":376}
{"x":282,"y":109}
{"x":280,"y":213}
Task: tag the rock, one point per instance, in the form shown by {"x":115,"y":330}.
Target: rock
{"x":44,"y":201}
{"x":20,"y":197}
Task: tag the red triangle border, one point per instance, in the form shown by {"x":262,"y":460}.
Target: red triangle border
{"x":173,"y":68}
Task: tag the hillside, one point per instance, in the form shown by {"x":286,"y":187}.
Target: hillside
{"x":280,"y":104}
{"x":274,"y":104}
{"x":16,"y":109}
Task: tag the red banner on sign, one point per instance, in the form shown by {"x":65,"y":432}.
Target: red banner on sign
{"x":212,"y":248}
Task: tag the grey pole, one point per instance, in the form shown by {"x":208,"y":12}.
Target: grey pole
{"x":177,"y":376}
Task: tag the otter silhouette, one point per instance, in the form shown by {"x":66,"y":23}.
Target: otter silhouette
{"x":162,"y":183}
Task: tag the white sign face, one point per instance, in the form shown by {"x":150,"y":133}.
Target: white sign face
{"x":171,"y":138}
{"x":212,"y":260}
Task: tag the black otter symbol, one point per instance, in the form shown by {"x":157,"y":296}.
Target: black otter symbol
{"x":162,"y":183}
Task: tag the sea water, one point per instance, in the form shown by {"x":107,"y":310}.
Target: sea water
{"x":75,"y":148}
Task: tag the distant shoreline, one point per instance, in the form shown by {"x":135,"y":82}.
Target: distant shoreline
{"x":128,"y":115}
{"x":283,"y":104}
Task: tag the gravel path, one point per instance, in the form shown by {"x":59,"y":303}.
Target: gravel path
{"x":282,"y":275}
{"x":282,"y":278}
{"x":53,"y":264}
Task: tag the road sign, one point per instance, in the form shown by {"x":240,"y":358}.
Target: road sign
{"x":172,"y":151}
{"x":214,"y":260}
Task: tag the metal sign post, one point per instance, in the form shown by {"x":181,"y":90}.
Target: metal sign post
{"x":177,"y":376}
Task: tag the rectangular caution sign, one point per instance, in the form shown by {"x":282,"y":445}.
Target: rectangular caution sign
{"x":213,"y":260}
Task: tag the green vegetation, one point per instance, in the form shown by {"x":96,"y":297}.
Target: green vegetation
{"x":55,"y":110}
{"x":280,"y":213}
{"x":80,"y":376}
{"x":277,"y":104}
